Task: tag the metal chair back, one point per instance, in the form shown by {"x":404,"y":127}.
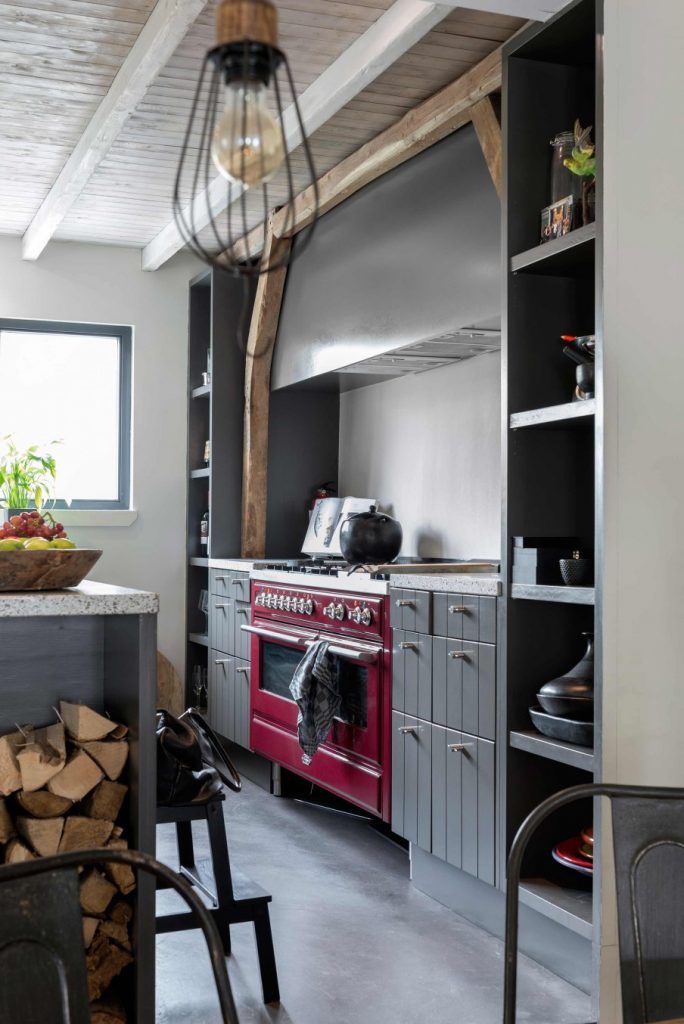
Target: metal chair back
{"x":42,"y":959}
{"x":648,"y":848}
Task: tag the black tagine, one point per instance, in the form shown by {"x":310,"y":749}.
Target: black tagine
{"x":370,"y":538}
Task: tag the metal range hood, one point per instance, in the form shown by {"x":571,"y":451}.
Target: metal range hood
{"x":402,"y":277}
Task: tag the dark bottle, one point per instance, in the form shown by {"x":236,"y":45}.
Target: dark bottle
{"x":204,"y":529}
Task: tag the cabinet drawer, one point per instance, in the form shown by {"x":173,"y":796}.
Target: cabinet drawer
{"x":463,"y":801}
{"x":222,"y":624}
{"x":242,"y":712}
{"x":412,"y":779}
{"x":465,"y":617}
{"x":221,"y":697}
{"x":241,"y":641}
{"x":228,"y":583}
{"x":464,"y":686}
{"x":411,"y":609}
{"x":412,"y":673}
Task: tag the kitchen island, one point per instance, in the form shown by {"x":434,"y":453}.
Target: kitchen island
{"x":94,"y":644}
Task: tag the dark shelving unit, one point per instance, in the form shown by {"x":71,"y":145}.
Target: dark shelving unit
{"x":552,"y":454}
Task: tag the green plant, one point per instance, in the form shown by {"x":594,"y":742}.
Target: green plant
{"x":26,"y":477}
{"x":583,"y":159}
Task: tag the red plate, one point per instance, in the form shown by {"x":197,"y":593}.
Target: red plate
{"x":569,"y":854}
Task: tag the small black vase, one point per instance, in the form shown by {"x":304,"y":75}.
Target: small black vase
{"x":576,"y":571}
{"x":572,"y":693}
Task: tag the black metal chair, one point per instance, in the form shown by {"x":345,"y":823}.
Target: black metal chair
{"x":42,"y":958}
{"x":648,"y":847}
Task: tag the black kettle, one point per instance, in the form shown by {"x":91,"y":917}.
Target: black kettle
{"x":370,"y":538}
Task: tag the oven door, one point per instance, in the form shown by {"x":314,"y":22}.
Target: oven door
{"x":276,"y":652}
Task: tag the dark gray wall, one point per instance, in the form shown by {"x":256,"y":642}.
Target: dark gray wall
{"x":303,"y":441}
{"x":411,"y":256}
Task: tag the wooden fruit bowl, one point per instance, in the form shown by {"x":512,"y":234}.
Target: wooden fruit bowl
{"x":45,"y":570}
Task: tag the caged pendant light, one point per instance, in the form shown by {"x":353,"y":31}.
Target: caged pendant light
{"x":244,"y":108}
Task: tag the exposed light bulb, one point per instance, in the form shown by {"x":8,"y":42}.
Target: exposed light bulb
{"x":247,"y":146}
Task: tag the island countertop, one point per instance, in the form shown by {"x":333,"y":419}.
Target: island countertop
{"x":89,"y":598}
{"x":485,"y":584}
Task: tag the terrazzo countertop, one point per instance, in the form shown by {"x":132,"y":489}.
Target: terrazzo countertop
{"x":485,"y":584}
{"x":236,"y":564}
{"x":89,"y":598}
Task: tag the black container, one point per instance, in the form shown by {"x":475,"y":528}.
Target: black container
{"x":370,"y":538}
{"x":558,"y":727}
{"x":576,"y":571}
{"x":572,"y":693}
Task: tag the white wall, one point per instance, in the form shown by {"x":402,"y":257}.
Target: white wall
{"x":428,"y":447}
{"x":104,"y":284}
{"x":643,"y":704}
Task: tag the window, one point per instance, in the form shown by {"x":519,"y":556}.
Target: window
{"x":71,"y":383}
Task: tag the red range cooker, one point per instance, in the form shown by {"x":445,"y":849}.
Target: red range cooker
{"x":355,"y":760}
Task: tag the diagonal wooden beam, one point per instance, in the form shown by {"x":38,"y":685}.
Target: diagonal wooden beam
{"x":396,"y":31}
{"x":488,"y":130}
{"x":260,"y":345}
{"x":163,"y":31}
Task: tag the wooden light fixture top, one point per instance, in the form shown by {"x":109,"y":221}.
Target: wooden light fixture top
{"x":253,"y":20}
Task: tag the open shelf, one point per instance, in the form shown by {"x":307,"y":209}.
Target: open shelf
{"x":572,"y":254}
{"x":555,"y":750}
{"x":569,"y":907}
{"x":202,"y":391}
{"x":559,"y":595}
{"x":199,"y":474}
{"x":199,"y":638}
{"x":202,"y":563}
{"x":568,"y":415}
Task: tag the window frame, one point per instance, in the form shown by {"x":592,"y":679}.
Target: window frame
{"x":125,"y":338}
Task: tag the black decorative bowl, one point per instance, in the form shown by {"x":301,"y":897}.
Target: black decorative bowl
{"x":576,"y":572}
{"x":558,"y":727}
{"x":579,"y":708}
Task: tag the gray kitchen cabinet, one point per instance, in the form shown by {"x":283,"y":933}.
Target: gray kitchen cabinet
{"x":447,"y":682}
{"x":411,"y":609}
{"x":463,"y":801}
{"x":412,"y":779}
{"x":222,"y":624}
{"x":221,"y":699}
{"x":412,"y":673}
{"x":241,"y":714}
{"x":241,"y":641}
{"x":465,"y":617}
{"x":229,"y":583}
{"x":464,"y":686}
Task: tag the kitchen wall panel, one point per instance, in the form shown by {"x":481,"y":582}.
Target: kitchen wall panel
{"x":428,"y":447}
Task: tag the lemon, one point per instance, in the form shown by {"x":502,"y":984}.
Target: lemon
{"x":62,"y":542}
{"x":37,"y":544}
{"x":11,"y":544}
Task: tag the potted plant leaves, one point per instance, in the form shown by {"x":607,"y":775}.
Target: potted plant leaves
{"x":27,"y":478}
{"x":582,"y":162}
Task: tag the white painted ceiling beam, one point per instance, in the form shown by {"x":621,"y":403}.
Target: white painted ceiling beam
{"x":396,"y":31}
{"x":166,"y":27}
{"x":535,"y":10}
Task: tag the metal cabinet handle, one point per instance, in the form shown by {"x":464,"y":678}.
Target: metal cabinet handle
{"x":236,"y":583}
{"x":243,"y":611}
{"x":222,"y":661}
{"x":225,"y":604}
{"x":460,"y":654}
{"x":408,"y":730}
{"x":221,"y":578}
{"x":459,"y":748}
{"x":401,"y":603}
{"x":457,"y":609}
{"x":243,"y":668}
{"x":406,"y":645}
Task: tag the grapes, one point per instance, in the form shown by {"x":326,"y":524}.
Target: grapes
{"x":32,"y":524}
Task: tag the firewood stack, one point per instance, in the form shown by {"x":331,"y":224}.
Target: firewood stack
{"x":60,"y":791}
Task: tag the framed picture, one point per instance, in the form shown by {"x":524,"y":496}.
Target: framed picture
{"x":556,"y":220}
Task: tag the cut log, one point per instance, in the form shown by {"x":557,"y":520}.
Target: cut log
{"x":77,"y":778}
{"x":42,"y":758}
{"x":105,"y":801}
{"x":117,"y":832}
{"x":7,"y":829}
{"x":16,"y":852}
{"x":122,"y":875}
{"x":84,"y":724}
{"x":10,"y":776}
{"x":121,"y":912}
{"x":120,"y":733}
{"x":90,"y":926}
{"x":107,"y":1013}
{"x":84,"y":834}
{"x":43,"y":804}
{"x":97,"y":893}
{"x":117,"y":933}
{"x":110,"y":755}
{"x":42,"y":834}
{"x":104,"y":962}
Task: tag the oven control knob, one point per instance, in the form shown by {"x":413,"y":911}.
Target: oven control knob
{"x":280,"y":602}
{"x":354,"y":614}
{"x":366,"y":616}
{"x":329,"y":610}
{"x":286,"y":604}
{"x":339,"y":612}
{"x":259,"y":600}
{"x":308,"y":607}
{"x":301,"y":605}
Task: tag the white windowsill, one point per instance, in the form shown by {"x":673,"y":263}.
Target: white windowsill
{"x":96,"y":516}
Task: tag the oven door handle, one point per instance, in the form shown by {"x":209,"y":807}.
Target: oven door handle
{"x":353,"y":654}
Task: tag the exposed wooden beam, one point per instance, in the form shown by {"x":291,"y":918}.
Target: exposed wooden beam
{"x":163,"y":31}
{"x":260,"y":345}
{"x":537,"y":10}
{"x":396,"y":31}
{"x":488,"y":130}
{"x":428,"y":123}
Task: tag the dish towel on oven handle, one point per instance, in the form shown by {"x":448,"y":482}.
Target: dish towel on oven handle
{"x":315,"y":687}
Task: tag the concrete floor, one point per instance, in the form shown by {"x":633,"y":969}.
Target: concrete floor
{"x":355,"y":942}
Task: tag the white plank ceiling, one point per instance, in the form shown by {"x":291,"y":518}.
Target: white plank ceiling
{"x":59,"y":58}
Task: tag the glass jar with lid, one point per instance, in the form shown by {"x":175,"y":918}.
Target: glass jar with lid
{"x":562,"y":181}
